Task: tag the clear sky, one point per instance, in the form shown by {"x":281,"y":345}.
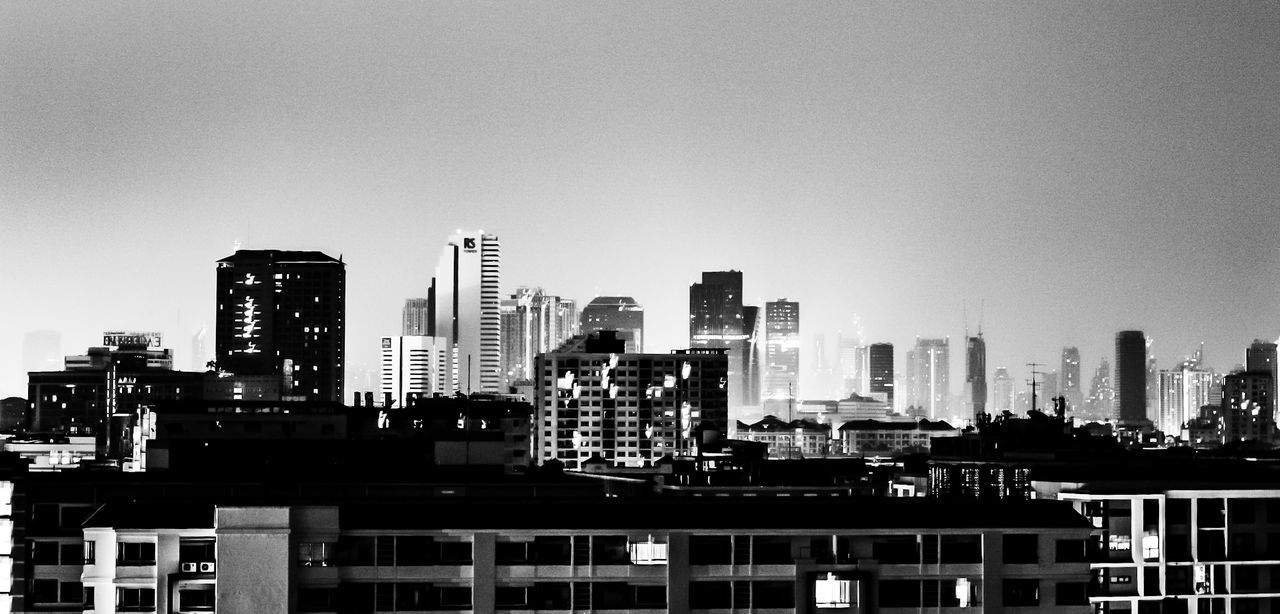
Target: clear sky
{"x":1079,"y":168}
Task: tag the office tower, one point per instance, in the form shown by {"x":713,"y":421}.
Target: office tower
{"x":751,"y":327}
{"x":533,"y":322}
{"x":283,"y":313}
{"x":628,"y":409}
{"x":1131,"y":377}
{"x":1071,"y":379}
{"x":933,"y":377}
{"x":618,"y":313}
{"x":879,"y":362}
{"x":1261,"y":357}
{"x":416,"y":317}
{"x":1183,"y":391}
{"x":198,"y":360}
{"x":1102,"y":393}
{"x":42,"y":350}
{"x":717,"y":319}
{"x":467,"y":309}
{"x":1002,"y":392}
{"x":1152,"y":388}
{"x":782,"y":349}
{"x":976,"y":374}
{"x":415,"y":366}
{"x":852,"y":367}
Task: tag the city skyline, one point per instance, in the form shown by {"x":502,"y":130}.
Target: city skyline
{"x":163,"y":130}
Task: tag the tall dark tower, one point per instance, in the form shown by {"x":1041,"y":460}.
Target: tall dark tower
{"x":282,"y":313}
{"x":1131,"y":377}
{"x":880,"y":365}
{"x":717,"y":319}
{"x":976,"y":373}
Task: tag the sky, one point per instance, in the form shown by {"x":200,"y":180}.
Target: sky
{"x":1068,"y":169}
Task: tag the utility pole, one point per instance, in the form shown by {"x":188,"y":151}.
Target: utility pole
{"x":1034,"y":373}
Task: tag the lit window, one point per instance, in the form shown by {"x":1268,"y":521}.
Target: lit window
{"x":1150,"y":547}
{"x":648,"y":553}
{"x":1120,"y":543}
{"x":832,"y":592}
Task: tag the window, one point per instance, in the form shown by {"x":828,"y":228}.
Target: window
{"x":1072,"y":593}
{"x":896,"y":549}
{"x":899,"y":593}
{"x":44,"y":553}
{"x":455,"y":596}
{"x":135,"y":599}
{"x":550,"y":596}
{"x":90,"y":552}
{"x":44,"y":590}
{"x":200,"y":598}
{"x":770,"y":550}
{"x":315,"y":599}
{"x":648,"y":553}
{"x":961,"y":548}
{"x":1071,"y":551}
{"x":651,"y":596}
{"x":710,"y":550}
{"x":197,"y":551}
{"x":1151,"y":547}
{"x":514,"y":597}
{"x":135,"y":553}
{"x":1021,"y":548}
{"x":411,"y":596}
{"x":88,"y":598}
{"x":773,"y":594}
{"x":833,"y":592}
{"x":548,"y":550}
{"x":1021,"y":592}
{"x":609,"y":550}
{"x":456,"y":553}
{"x":314,"y":554}
{"x":71,"y":554}
{"x":708,"y":595}
{"x":1119,"y":543}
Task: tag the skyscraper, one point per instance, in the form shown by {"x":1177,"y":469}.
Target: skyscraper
{"x":618,"y":313}
{"x":716,"y":320}
{"x":933,"y":377}
{"x":533,"y":322}
{"x":1002,"y":392}
{"x":751,"y":327}
{"x":416,"y":317}
{"x":853,"y":367}
{"x":1131,"y":377}
{"x":880,"y":370}
{"x":1071,"y":378}
{"x":415,"y":365}
{"x":782,"y":349}
{"x":1261,"y":358}
{"x":283,"y":313}
{"x":1102,"y":393}
{"x":1183,"y":391}
{"x":976,"y":374}
{"x":465,"y":302}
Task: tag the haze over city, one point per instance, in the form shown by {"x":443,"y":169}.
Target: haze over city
{"x":1067,"y":171}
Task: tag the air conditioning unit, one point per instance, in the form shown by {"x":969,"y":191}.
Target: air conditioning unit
{"x":188,"y":568}
{"x":208,"y":567}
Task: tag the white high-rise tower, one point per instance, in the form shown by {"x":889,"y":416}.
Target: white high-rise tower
{"x":466,"y":303}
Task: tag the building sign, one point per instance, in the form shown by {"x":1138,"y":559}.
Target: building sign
{"x":469,"y":244}
{"x":115,"y":339}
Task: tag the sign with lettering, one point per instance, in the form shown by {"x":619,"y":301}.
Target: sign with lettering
{"x":115,"y":339}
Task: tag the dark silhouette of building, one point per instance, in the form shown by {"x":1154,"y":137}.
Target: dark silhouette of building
{"x":1131,"y":377}
{"x":718,"y":319}
{"x":1248,"y":409}
{"x":880,"y":364}
{"x":617,"y":313}
{"x":283,"y":313}
{"x":1261,"y":357}
{"x":976,"y":373}
{"x":13,"y":414}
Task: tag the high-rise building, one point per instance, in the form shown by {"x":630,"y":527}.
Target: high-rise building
{"x":976,"y":374}
{"x":1183,"y":391}
{"x":1261,"y":357}
{"x":1153,"y":387}
{"x":1049,"y":388}
{"x":416,"y":317}
{"x":1131,"y":377}
{"x":1002,"y":392}
{"x":532,"y":323}
{"x":1102,"y":394}
{"x":717,"y":320}
{"x":415,"y":365}
{"x":628,"y":409}
{"x":782,"y":349}
{"x":467,"y":307}
{"x":751,"y":327}
{"x":1071,"y":379}
{"x":853,"y":365}
{"x":283,"y":313}
{"x":1248,"y":410}
{"x":933,"y":377}
{"x":617,"y":313}
{"x":879,"y":362}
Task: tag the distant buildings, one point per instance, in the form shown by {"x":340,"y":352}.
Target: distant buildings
{"x":1183,"y":391}
{"x":782,"y":349}
{"x":282,"y":313}
{"x":1261,"y":357}
{"x":1131,"y":377}
{"x":627,"y":409}
{"x":718,"y":319}
{"x":1071,"y":379}
{"x":416,"y":320}
{"x":1002,"y":392}
{"x":1102,"y":395}
{"x":889,"y":438}
{"x":976,"y":374}
{"x":853,"y":366}
{"x":932,"y":374}
{"x":415,"y":366}
{"x":880,"y":374}
{"x":618,"y":313}
{"x":532,"y":323}
{"x":464,"y":298}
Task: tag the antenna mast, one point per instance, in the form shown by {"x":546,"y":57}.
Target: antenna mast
{"x":1034,"y":373}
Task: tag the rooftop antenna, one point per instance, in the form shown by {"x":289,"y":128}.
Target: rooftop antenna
{"x":981,"y":311}
{"x":1034,"y":373}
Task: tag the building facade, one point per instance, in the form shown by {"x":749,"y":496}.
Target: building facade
{"x":976,"y":375}
{"x":1131,"y":377}
{"x":618,"y":313}
{"x":782,"y":350}
{"x":533,"y":323}
{"x":932,"y":372}
{"x":415,"y":318}
{"x":415,"y":366}
{"x":283,"y":313}
{"x":464,"y":299}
